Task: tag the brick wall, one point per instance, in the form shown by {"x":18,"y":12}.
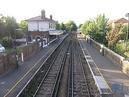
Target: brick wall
{"x":28,"y":50}
{"x":7,"y":62}
{"x":41,"y":34}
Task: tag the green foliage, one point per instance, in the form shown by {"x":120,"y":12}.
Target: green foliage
{"x":62,"y":26}
{"x":8,"y":26}
{"x":124,"y":32}
{"x":119,"y":48}
{"x":2,"y":26}
{"x":97,"y":28}
{"x":114,"y":36}
{"x":11,"y":26}
{"x":86,"y":28}
{"x":19,"y":34}
{"x":92,"y":29}
{"x":71,"y":26}
{"x":58,"y":27}
{"x":7,"y":42}
{"x":102,"y":27}
{"x":19,"y":50}
{"x":23,"y":26}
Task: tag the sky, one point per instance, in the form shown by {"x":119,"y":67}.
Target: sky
{"x":65,"y":10}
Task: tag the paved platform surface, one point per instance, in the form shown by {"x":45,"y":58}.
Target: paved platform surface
{"x":10,"y":79}
{"x":118,"y":81}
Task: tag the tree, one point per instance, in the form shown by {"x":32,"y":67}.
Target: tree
{"x":11,"y":26}
{"x":19,"y":34}
{"x":96,"y":28}
{"x":71,"y":26}
{"x":113,"y":36}
{"x":62,"y":26}
{"x":89,"y":28}
{"x":102,"y":27}
{"x":58,"y":27}
{"x":124,"y":34}
{"x":102,"y":23}
{"x":23,"y":25}
{"x":92,"y":29}
{"x":2,"y":26}
{"x":7,"y":42}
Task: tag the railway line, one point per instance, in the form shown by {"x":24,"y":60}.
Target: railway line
{"x":50,"y":82}
{"x":33,"y":87}
{"x":80,"y":84}
{"x":66,"y":73}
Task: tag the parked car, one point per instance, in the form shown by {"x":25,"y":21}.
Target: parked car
{"x":2,"y":49}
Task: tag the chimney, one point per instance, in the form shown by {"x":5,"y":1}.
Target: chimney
{"x":51,"y":17}
{"x":42,"y":14}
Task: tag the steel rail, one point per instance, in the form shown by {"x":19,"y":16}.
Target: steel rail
{"x":58,"y":73}
{"x":20,"y":93}
{"x":47,"y":72}
{"x":56,"y":86}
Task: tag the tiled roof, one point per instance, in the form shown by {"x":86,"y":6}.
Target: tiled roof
{"x":121,"y":20}
{"x":38,"y":18}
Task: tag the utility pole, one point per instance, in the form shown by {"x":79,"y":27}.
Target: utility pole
{"x":15,"y":47}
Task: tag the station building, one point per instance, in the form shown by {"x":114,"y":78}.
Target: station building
{"x":42,"y":29}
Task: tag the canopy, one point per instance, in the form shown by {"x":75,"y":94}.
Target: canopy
{"x":55,"y":32}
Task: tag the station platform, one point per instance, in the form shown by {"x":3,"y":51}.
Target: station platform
{"x":116,"y":79}
{"x":21,"y":75}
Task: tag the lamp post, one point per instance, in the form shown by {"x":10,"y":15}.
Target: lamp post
{"x":16,"y":55}
{"x":127,"y":15}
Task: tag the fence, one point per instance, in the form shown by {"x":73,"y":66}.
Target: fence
{"x":26,"y":51}
{"x":9,"y":61}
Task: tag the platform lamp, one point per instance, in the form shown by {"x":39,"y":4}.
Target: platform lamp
{"x":16,"y":55}
{"x":127,"y":15}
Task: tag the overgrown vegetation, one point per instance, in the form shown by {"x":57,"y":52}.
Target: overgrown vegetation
{"x":102,"y":32}
{"x":96,"y":28}
{"x":10,"y":30}
{"x":120,"y":49}
{"x":7,"y":42}
{"x":69,"y":26}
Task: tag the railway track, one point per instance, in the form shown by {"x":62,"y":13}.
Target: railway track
{"x":49,"y":84}
{"x":79,"y":83}
{"x":64,"y":74}
{"x":35,"y":82}
{"x":81,"y":88}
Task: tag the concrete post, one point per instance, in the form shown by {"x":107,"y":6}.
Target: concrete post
{"x":22,"y":57}
{"x":102,"y":50}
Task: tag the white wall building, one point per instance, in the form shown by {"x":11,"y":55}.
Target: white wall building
{"x":40,"y":27}
{"x":41,"y":23}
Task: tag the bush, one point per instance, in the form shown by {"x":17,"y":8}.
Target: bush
{"x":120,"y":49}
{"x":19,"y":34}
{"x":7,"y":42}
